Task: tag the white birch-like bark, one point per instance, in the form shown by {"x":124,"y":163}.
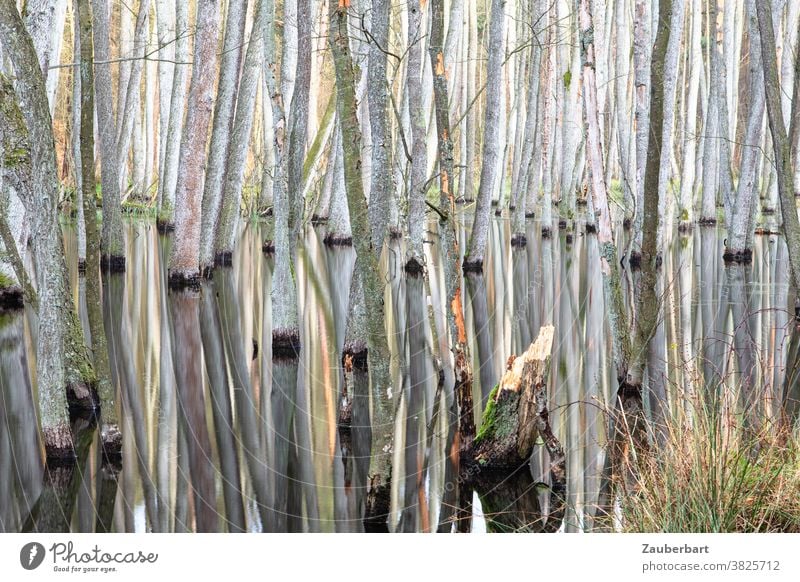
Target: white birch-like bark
{"x":289,"y":53}
{"x":622,"y":66}
{"x":56,"y":43}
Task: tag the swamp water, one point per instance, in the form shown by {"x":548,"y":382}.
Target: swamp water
{"x":262,"y":451}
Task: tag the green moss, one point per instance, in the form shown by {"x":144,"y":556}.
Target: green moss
{"x":499,"y":417}
{"x":6,"y":281}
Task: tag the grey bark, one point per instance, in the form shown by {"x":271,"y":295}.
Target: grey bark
{"x":166,"y":195}
{"x":184,"y":263}
{"x":224,"y":107}
{"x":112,"y":246}
{"x":367,"y":264}
{"x":298,"y":116}
{"x":109,"y":430}
{"x":419,"y":164}
{"x":240,"y":140}
{"x":60,"y":341}
{"x":381,"y":183}
{"x":743,"y":211}
{"x":126,"y":108}
{"x":780,"y":140}
{"x":491,"y":138}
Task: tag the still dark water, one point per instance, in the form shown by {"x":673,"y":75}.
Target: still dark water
{"x":270,"y":457}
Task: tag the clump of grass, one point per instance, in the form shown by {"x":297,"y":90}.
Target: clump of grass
{"x":716,"y":474}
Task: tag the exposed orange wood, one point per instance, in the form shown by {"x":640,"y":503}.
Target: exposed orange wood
{"x":439,"y":64}
{"x":458,"y":313}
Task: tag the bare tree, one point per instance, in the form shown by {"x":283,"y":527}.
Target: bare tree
{"x":184,"y":264}
{"x":491,"y":141}
{"x":62,"y":360}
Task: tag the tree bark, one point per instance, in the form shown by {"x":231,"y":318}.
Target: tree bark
{"x":240,"y":140}
{"x":61,"y":355}
{"x":491,"y":140}
{"x":379,"y":481}
{"x":109,"y":430}
{"x":167,"y":192}
{"x":224,"y":107}
{"x":112,"y":244}
{"x":780,"y":141}
{"x":184,"y":264}
{"x":382,"y":179}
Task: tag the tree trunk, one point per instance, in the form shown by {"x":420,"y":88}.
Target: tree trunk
{"x":671,"y":62}
{"x":240,"y":140}
{"x":780,"y":141}
{"x":382,"y":182}
{"x":647,"y":301}
{"x":109,"y":431}
{"x":227,"y":87}
{"x":298,"y":116}
{"x":694,"y":66}
{"x":61,"y":354}
{"x":367,"y":264}
{"x":166,"y":195}
{"x":127,"y":108}
{"x":491,"y":141}
{"x":184,"y":264}
{"x":419,"y":163}
{"x":112,"y":244}
{"x":642,"y":44}
{"x":742,"y":212}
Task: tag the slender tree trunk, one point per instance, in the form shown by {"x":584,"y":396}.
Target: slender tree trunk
{"x":298,"y":116}
{"x":647,"y":301}
{"x":491,"y":141}
{"x":382,"y":182}
{"x":184,"y":264}
{"x":112,"y":244}
{"x":612,"y":287}
{"x":109,"y":432}
{"x":780,"y":141}
{"x":126,"y":109}
{"x":165,"y":15}
{"x":224,"y":107}
{"x":694,"y":64}
{"x":671,"y":63}
{"x":379,"y":481}
{"x":419,"y":164}
{"x":742,"y":212}
{"x":642,"y":45}
{"x":61,"y":355}
{"x":172,"y":150}
{"x":240,"y":140}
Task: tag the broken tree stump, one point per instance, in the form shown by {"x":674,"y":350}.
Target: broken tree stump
{"x":516,"y":415}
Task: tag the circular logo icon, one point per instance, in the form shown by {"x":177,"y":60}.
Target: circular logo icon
{"x":31,"y":555}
